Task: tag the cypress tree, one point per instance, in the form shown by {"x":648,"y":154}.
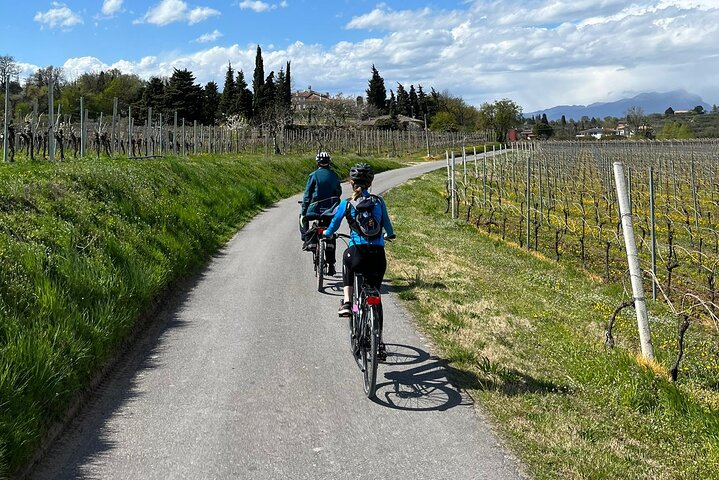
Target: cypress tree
{"x":288,"y":86}
{"x":258,"y":83}
{"x":228,"y":101}
{"x":377,"y":93}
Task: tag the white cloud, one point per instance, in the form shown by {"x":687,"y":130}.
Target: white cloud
{"x":259,"y":6}
{"x":170,"y":11}
{"x":284,"y":4}
{"x":111,"y":7}
{"x":209,"y":37}
{"x":648,"y":45}
{"x":58,"y":16}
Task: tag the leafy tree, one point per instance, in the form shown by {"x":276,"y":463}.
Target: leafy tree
{"x":635,"y":118}
{"x":699,"y":109}
{"x":403,"y":101}
{"x":543,"y":130}
{"x":499,"y":117}
{"x":563,"y":121}
{"x":376,"y":91}
{"x":8,"y":68}
{"x":669,"y":112}
{"x":715,"y":108}
{"x":444,"y":122}
{"x":211,"y":104}
{"x":675,"y":131}
{"x":228,"y":100}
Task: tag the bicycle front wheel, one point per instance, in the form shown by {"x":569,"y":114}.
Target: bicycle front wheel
{"x":370,"y":345}
{"x":320,"y":265}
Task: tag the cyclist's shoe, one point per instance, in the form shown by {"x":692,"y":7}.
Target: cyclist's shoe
{"x":331,"y":269}
{"x":345,"y":309}
{"x":382,"y":352}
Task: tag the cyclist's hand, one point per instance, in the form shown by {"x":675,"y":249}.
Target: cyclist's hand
{"x":389,"y":237}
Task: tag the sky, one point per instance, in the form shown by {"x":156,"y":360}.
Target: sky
{"x":539,"y":53}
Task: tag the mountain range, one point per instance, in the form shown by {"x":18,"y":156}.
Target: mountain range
{"x":653,"y":102}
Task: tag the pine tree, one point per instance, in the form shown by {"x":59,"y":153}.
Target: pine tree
{"x":244,"y":97}
{"x":211,"y":104}
{"x":258,"y":83}
{"x":183,"y":96}
{"x":153,"y":96}
{"x":377,"y":93}
{"x":228,"y":101}
{"x":403,"y":103}
{"x":422,"y":100}
{"x":414,"y":108}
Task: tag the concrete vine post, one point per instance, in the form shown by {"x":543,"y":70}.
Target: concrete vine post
{"x":635,"y":272}
{"x":653,"y":233}
{"x":51,"y":121}
{"x":7,"y":117}
{"x":114,"y":126}
{"x":452,"y":190}
{"x":82,"y":127}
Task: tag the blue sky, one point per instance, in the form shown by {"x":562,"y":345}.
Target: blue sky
{"x":538,"y":52}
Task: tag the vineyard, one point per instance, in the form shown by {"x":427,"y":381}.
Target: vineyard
{"x":559,"y":199}
{"x":50,"y":136}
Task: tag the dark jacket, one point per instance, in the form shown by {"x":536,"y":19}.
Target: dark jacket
{"x":322,"y":192}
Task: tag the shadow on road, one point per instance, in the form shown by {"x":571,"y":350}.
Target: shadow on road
{"x":422,"y":387}
{"x":85,"y":438}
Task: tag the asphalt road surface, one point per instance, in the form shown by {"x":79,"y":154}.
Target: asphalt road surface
{"x":247,"y":373}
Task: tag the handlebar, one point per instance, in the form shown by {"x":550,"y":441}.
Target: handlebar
{"x":344,"y":235}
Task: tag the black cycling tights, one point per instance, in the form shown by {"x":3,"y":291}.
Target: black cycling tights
{"x":369,"y":260}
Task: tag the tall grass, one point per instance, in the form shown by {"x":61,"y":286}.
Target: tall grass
{"x":85,"y":246}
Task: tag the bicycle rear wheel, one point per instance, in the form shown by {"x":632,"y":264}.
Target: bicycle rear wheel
{"x":320,"y":265}
{"x":369,"y":346}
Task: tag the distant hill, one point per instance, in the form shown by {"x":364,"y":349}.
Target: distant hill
{"x":653,"y":102}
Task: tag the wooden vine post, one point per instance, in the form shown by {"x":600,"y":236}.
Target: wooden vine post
{"x":635,"y":272}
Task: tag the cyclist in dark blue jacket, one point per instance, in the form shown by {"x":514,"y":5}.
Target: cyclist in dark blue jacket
{"x":322,"y":193}
{"x":363,"y":255}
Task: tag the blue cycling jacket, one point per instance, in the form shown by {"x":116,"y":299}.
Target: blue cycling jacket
{"x":380,"y":210}
{"x":323,"y":191}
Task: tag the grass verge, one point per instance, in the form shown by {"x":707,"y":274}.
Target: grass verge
{"x":524,"y":335}
{"x":85,"y":247}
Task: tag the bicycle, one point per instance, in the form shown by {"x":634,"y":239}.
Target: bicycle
{"x":365,"y":330}
{"x":318,"y":247}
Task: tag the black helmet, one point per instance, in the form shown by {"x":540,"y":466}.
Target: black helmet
{"x":323,"y":159}
{"x":362,"y":175}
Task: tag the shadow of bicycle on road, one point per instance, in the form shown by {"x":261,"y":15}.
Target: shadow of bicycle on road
{"x":417,"y":381}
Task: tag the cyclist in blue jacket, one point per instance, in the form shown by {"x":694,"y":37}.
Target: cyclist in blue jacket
{"x":364,"y":255}
{"x":322,"y":192}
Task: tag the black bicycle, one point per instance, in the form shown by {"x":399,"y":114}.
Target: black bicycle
{"x":365,"y":330}
{"x":319,"y":248}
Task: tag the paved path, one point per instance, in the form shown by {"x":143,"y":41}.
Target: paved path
{"x":248,"y":374}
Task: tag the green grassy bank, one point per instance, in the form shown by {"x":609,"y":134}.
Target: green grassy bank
{"x":87,"y":245}
{"x":525,"y":336}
